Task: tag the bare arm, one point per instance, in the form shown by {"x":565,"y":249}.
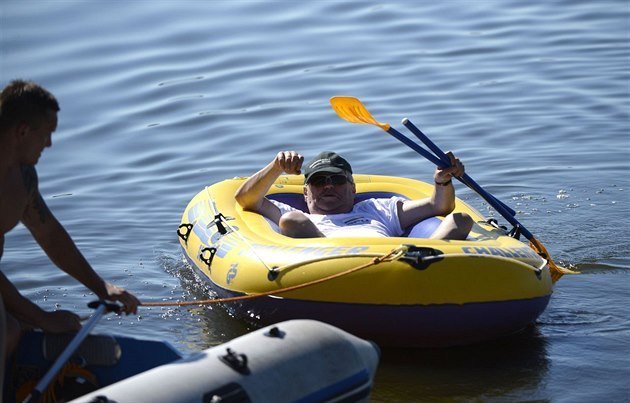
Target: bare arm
{"x":63,"y":252}
{"x":441,"y":202}
{"x":251,"y":194}
{"x":26,"y":312}
{"x":29,"y":313}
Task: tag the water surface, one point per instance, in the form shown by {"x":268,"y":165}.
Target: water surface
{"x":160,"y":98}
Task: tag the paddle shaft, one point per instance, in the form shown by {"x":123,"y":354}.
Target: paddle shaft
{"x":426,"y":154}
{"x":498,"y":206}
{"x":467,"y":180}
{"x":444,"y":162}
{"x":65,"y":355}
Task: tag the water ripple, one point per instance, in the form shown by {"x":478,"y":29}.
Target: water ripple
{"x":159,"y":99}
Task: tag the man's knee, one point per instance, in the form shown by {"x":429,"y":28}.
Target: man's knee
{"x":296,"y":224}
{"x":463,"y":221}
{"x":454,"y":226}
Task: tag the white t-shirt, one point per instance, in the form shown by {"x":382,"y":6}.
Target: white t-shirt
{"x":368,"y":218}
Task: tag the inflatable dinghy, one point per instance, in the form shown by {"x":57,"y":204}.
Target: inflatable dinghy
{"x":300,"y":360}
{"x":422,"y":292}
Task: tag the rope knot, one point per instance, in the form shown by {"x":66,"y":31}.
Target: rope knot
{"x":394,"y":254}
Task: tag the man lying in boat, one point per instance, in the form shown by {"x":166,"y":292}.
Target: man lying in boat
{"x":329,"y":192}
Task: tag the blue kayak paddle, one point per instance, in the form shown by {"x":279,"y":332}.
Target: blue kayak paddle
{"x":465,"y":179}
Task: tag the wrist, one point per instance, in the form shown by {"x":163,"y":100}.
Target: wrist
{"x":276,"y":169}
{"x":448,"y":182}
{"x":100,"y":289}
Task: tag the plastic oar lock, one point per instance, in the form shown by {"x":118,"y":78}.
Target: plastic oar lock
{"x":352,"y":110}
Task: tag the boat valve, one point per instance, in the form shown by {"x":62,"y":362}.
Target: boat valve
{"x":275,"y":332}
{"x":273,"y":273}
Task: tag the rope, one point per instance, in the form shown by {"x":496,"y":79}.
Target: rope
{"x":49,"y":395}
{"x":394,"y":254}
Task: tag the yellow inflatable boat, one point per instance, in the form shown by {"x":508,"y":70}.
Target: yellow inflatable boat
{"x":396,"y":291}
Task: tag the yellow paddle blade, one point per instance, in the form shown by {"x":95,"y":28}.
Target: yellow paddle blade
{"x":556,"y":271}
{"x":352,"y":110}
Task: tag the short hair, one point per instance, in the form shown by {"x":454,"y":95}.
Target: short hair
{"x":24,"y":101}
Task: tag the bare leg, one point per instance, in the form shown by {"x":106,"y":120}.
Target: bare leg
{"x":296,"y":224}
{"x":454,"y":226}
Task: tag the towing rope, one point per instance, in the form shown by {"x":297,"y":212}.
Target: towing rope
{"x":394,"y":254}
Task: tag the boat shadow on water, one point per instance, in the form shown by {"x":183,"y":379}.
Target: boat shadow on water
{"x":486,"y":371}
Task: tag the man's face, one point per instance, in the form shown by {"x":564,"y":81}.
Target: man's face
{"x":327,"y":193}
{"x":35,"y":137}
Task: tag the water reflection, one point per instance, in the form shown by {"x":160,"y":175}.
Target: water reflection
{"x":483,"y":371}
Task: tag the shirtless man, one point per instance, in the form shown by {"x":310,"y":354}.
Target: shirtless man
{"x":28,"y":117}
{"x":329,"y":192}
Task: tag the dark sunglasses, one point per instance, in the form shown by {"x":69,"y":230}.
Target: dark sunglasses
{"x":323,"y":180}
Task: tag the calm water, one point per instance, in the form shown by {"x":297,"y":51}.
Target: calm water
{"x":160,"y":98}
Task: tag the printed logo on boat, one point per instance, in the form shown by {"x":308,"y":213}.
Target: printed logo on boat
{"x":231,"y":274}
{"x":524,"y":252}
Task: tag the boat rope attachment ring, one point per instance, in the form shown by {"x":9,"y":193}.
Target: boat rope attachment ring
{"x":184,"y":234}
{"x":207,"y":260}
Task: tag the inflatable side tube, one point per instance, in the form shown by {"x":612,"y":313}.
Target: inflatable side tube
{"x":297,"y":360}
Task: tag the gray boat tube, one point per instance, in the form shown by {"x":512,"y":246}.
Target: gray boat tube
{"x":292,"y":361}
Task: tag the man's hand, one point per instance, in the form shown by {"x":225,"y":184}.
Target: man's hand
{"x":443,"y":175}
{"x":129,"y":301}
{"x":289,"y":161}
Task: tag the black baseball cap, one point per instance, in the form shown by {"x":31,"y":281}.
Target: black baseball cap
{"x":326,"y":161}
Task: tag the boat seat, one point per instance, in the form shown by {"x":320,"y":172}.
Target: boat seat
{"x":423,"y":229}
